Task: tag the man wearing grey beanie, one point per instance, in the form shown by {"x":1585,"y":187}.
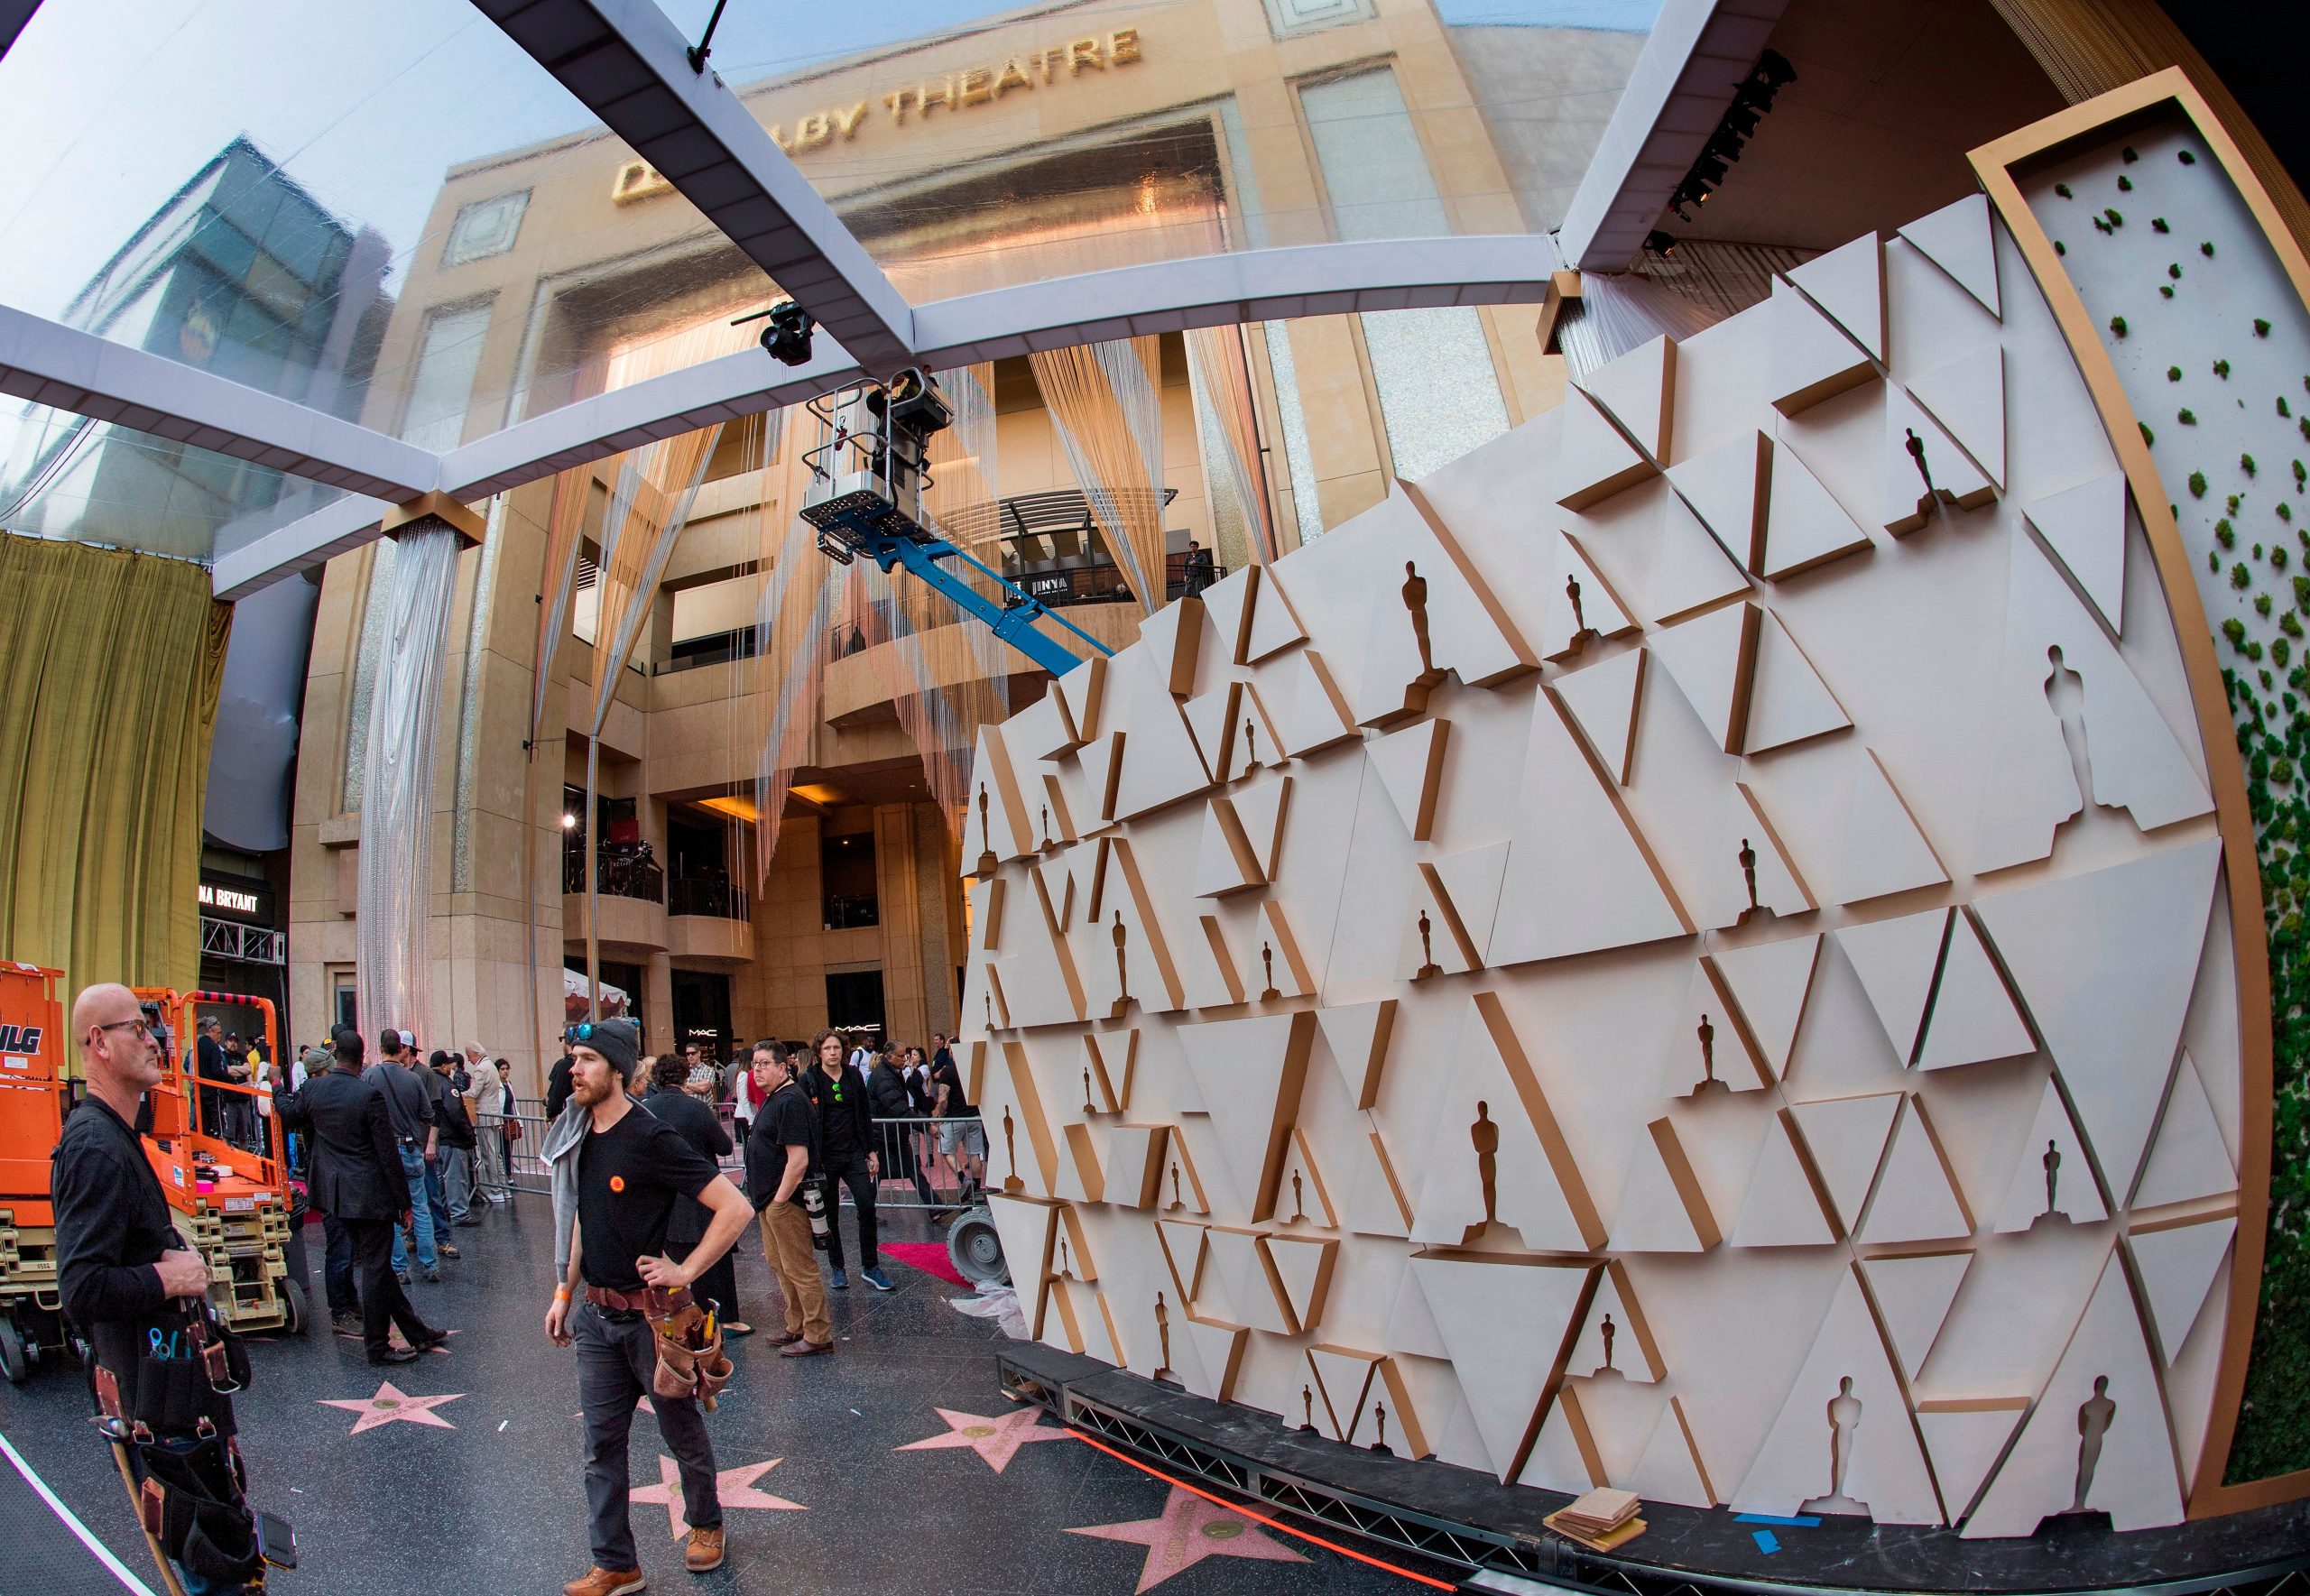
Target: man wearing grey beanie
{"x":617,"y":1176}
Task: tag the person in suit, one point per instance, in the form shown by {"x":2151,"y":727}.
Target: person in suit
{"x":357,"y":1178}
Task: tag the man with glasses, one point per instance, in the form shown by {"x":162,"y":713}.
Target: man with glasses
{"x":130,"y":1284}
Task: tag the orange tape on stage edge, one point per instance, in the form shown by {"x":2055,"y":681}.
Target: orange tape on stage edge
{"x":1262,"y":1519}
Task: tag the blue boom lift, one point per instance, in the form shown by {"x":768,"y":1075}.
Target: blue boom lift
{"x":865,"y":498}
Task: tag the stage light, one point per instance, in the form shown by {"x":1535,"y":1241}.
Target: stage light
{"x":1661,"y":243}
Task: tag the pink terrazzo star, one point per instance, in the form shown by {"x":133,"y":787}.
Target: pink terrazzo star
{"x":1190,"y":1530}
{"x":392,"y":1405}
{"x":997,"y":1440}
{"x":733,"y":1487}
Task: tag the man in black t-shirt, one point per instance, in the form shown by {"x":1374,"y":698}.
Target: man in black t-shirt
{"x":630,"y":1171}
{"x":130,"y":1285}
{"x":779,"y":1150}
{"x":960,"y":1136}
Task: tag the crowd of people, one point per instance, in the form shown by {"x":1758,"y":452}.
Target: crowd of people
{"x":401,"y":1146}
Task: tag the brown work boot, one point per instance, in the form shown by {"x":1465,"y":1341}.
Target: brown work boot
{"x":705,"y":1553}
{"x":605,"y":1582}
{"x":805,"y":1348}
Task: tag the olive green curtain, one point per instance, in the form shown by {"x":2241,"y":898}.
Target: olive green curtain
{"x":110,"y":664}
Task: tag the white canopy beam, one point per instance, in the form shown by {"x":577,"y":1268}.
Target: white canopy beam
{"x":71,"y":369}
{"x":624,"y":61}
{"x":1256,"y":285}
{"x":1695,"y":57}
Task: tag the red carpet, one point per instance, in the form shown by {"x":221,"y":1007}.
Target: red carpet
{"x":930,"y":1257}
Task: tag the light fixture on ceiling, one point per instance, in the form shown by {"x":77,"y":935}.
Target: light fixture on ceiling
{"x":1751,"y":100}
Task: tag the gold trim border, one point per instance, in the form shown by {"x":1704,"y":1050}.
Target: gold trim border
{"x":1994,"y":164}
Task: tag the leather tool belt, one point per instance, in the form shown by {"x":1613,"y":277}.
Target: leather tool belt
{"x":193,"y":1491}
{"x":690,"y":1358}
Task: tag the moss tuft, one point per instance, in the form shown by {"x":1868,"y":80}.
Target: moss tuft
{"x":2187,"y":418}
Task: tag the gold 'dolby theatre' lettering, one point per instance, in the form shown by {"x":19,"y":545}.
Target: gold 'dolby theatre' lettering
{"x":912,"y":107}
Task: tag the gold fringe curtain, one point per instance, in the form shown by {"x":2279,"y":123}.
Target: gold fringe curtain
{"x":945,"y":676}
{"x":110,"y":665}
{"x":565,"y":529}
{"x":1228,"y":428}
{"x":953,"y":676}
{"x":1105,"y":405}
{"x":794,"y":622}
{"x":648,"y":508}
{"x":2090,"y":47}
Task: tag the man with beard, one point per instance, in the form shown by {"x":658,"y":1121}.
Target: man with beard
{"x":617,"y":1174}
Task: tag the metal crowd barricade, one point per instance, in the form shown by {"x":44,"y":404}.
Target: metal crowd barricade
{"x":904,"y":1146}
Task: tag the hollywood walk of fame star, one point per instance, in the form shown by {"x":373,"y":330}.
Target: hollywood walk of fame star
{"x":734,"y":1488}
{"x":392,"y":1405}
{"x":1190,"y":1530}
{"x":997,"y":1440}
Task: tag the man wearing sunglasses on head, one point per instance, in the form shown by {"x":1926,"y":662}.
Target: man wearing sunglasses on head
{"x":626,"y":1306}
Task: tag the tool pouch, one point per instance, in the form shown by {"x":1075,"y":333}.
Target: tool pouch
{"x":691,"y":1361}
{"x":192,"y":1502}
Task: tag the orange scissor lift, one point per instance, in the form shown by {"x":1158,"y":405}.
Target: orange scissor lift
{"x":231,"y":1202}
{"x":32,"y":1118}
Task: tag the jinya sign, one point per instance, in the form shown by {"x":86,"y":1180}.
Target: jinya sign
{"x":914,"y":107}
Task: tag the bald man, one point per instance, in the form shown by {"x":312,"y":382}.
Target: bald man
{"x":130,"y":1284}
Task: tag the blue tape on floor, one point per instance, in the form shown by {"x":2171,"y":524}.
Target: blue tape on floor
{"x":1767,"y":1542}
{"x":1804,"y":1522}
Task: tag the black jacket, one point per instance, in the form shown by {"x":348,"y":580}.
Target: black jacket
{"x":887,"y":1089}
{"x":698,"y":1124}
{"x":558,"y":1087}
{"x":854,"y":1104}
{"x":355,"y":1161}
{"x":112,"y":1225}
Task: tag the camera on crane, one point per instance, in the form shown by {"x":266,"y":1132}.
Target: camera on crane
{"x":787,"y":337}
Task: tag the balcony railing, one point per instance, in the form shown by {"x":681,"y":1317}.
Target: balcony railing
{"x":845,"y":914}
{"x":627,"y":870}
{"x":708,"y":895}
